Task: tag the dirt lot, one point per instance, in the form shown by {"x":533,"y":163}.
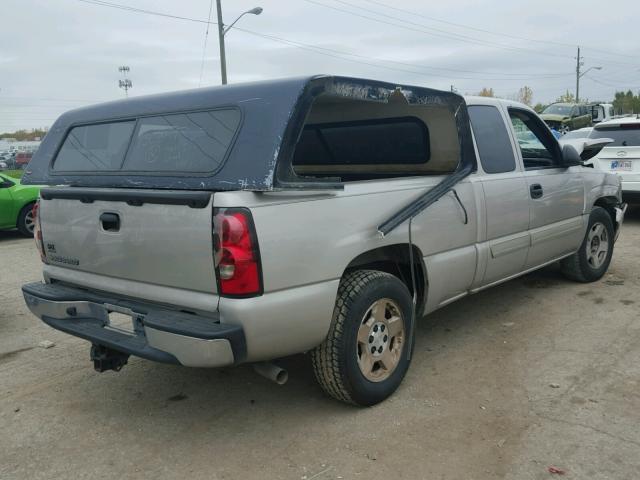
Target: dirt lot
{"x":536,"y":372}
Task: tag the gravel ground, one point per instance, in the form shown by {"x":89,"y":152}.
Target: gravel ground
{"x":535,"y":373}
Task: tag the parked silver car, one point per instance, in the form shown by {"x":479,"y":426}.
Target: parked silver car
{"x":325,"y":215}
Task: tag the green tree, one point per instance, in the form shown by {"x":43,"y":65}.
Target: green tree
{"x":626,"y":102}
{"x":568,"y":97}
{"x":23,"y":135}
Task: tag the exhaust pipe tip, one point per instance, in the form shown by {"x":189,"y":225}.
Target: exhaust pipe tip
{"x":272,"y":372}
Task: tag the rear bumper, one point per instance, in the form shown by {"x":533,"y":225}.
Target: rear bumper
{"x":158,"y":334}
{"x":629,"y":186}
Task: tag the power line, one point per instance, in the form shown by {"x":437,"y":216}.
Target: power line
{"x":607,"y":84}
{"x":445,"y":34}
{"x":427,"y":30}
{"x":499,"y":34}
{"x":140,"y":10}
{"x":206,"y":37}
{"x":337,"y":53}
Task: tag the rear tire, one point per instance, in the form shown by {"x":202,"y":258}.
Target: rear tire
{"x":592,"y":260}
{"x":365,"y":355}
{"x":25,"y":220}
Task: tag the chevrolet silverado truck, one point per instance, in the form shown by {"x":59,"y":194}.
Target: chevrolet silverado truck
{"x":245,"y":223}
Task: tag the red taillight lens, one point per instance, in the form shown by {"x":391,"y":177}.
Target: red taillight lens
{"x":37,"y":231}
{"x":236,"y":253}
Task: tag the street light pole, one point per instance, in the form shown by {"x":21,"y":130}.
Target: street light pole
{"x":579,"y":63}
{"x":223,"y":57}
{"x":223,"y":31}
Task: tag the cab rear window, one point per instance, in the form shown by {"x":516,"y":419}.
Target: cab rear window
{"x":194,"y":142}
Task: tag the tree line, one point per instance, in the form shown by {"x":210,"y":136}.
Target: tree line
{"x":25,"y":135}
{"x":623,"y":102}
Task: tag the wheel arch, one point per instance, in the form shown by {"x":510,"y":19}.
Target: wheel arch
{"x":608,"y":203}
{"x":396,"y":260}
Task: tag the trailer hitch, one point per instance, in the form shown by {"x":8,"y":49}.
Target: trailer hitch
{"x":104,"y":358}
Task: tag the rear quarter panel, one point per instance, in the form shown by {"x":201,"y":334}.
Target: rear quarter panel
{"x":307,"y":240}
{"x":312,"y":237}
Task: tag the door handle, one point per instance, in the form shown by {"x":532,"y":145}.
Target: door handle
{"x":110,"y":222}
{"x":535,"y":190}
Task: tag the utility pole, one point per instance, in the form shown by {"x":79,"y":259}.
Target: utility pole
{"x":223,"y":31}
{"x":223,"y":56}
{"x":125,"y":83}
{"x":579,"y":63}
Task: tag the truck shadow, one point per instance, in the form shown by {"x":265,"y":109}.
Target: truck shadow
{"x":8,"y":235}
{"x":239,"y":391}
{"x":633,"y":214}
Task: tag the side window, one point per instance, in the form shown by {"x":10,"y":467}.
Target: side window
{"x":538,"y":146}
{"x":490,"y":132}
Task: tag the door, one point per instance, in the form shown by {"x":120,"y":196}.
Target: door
{"x":585,"y":117}
{"x":505,"y":195}
{"x":556,"y":194}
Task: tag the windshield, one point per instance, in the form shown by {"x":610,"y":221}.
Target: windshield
{"x":559,"y":110}
{"x":625,"y":135}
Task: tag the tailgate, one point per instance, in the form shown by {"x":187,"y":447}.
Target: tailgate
{"x":159,"y":237}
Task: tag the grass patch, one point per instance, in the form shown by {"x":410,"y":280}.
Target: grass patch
{"x":14,"y":173}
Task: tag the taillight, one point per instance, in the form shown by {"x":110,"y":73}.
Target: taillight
{"x":37,"y":231}
{"x":237,"y":258}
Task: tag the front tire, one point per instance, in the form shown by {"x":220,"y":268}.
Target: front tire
{"x":26,"y":221}
{"x":592,"y":260}
{"x":365,"y":355}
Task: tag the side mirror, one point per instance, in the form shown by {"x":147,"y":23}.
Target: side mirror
{"x":570,"y":156}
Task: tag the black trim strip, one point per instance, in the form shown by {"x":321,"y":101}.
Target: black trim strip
{"x":422,"y":202}
{"x":91,"y":329}
{"x":136,"y":199}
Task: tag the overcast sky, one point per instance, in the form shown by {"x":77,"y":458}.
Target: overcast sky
{"x":59,"y":54}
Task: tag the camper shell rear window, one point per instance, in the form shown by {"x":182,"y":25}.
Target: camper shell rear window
{"x":191,"y":142}
{"x":364,"y":142}
{"x":355,"y":139}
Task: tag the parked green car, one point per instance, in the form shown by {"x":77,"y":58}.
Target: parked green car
{"x":565,"y":117}
{"x":16,"y":204}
